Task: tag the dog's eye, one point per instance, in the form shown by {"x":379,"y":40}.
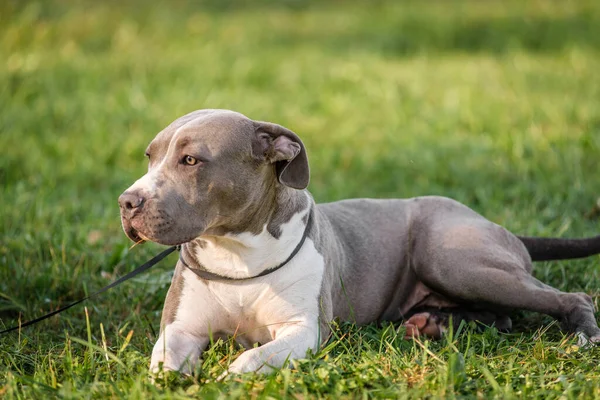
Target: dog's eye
{"x":189,"y":160}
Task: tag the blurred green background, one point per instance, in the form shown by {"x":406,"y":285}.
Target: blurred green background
{"x":493,"y":103}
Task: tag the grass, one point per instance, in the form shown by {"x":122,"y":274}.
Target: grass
{"x":492,"y":103}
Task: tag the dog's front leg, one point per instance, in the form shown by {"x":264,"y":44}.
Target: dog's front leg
{"x":177,"y":350}
{"x":291,"y":342}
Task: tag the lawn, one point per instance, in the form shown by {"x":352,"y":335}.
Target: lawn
{"x":496,"y":104}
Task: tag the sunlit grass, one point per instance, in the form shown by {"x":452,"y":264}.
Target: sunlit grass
{"x":492,"y":103}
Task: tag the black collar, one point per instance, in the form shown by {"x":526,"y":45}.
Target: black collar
{"x":209,"y":276}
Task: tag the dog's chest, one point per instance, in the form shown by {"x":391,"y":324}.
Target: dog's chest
{"x":254,"y":309}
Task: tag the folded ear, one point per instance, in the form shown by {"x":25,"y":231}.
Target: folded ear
{"x":284,"y":149}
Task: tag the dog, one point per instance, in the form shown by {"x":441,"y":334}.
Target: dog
{"x":261,"y":262}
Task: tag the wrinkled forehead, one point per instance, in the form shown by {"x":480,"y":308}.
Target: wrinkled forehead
{"x":217,"y":131}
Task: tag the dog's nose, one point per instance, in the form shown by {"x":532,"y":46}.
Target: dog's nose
{"x":131,"y":202}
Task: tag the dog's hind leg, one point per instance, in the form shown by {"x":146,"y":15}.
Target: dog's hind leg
{"x":475,"y":262}
{"x":480,"y":278}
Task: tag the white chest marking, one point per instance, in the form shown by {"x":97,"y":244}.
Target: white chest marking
{"x":254,"y":309}
{"x":244,"y":255}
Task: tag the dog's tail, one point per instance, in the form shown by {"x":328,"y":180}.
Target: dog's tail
{"x":543,"y":249}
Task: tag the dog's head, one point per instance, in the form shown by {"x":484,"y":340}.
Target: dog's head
{"x":211,"y":172}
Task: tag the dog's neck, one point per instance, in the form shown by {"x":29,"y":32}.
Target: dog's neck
{"x":245,"y":254}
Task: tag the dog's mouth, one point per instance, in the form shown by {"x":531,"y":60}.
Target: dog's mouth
{"x":132,"y":233}
{"x":139,"y":237}
{"x":138,"y":232}
{"x":135,"y":236}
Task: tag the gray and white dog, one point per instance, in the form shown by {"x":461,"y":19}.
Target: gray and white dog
{"x":262,"y":262}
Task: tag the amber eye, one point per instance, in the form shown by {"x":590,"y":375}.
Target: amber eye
{"x":189,"y":160}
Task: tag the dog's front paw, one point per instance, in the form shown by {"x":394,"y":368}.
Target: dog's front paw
{"x":162,"y":368}
{"x":249,"y":361}
{"x":244,"y":363}
{"x":162,"y":375}
{"x":169,"y":365}
{"x":166,"y":370}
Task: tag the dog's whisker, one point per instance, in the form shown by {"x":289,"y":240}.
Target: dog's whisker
{"x":141,"y":241}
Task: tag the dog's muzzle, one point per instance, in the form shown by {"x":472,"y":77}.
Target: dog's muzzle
{"x":131,"y":204}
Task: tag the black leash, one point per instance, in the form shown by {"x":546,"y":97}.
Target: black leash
{"x":122,"y":279}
